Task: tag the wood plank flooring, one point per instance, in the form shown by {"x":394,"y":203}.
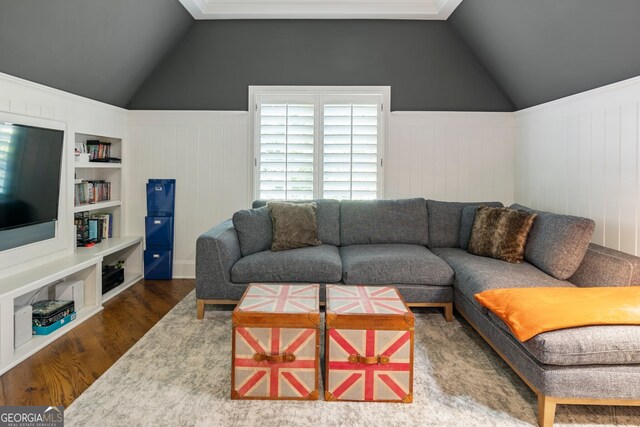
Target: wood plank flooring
{"x":57,"y":374}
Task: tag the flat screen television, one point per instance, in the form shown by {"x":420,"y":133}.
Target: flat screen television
{"x":30,"y":168}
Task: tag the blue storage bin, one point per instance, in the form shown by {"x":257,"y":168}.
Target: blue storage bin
{"x":159,"y":231}
{"x":158,"y":264}
{"x":161,"y":194}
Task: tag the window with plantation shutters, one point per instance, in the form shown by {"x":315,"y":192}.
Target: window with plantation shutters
{"x":286,"y":151}
{"x":318,"y":143}
{"x":350,"y":161}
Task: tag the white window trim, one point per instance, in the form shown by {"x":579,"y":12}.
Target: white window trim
{"x":255,"y":92}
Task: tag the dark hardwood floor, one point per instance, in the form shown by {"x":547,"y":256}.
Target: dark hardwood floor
{"x":57,"y":374}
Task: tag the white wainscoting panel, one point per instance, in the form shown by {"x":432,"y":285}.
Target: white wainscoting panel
{"x":451,"y":156}
{"x":207,"y":152}
{"x":446,"y":156}
{"x":579,"y":156}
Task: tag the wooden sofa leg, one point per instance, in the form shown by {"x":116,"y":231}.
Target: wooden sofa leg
{"x":200,"y":314}
{"x":448,"y":312}
{"x":546,"y":410}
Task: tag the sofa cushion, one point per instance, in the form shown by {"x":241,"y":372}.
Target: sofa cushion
{"x":383,"y":221}
{"x":386,"y":264}
{"x":254,"y":230}
{"x":607,"y":267}
{"x":445,"y":220}
{"x":328,"y":216}
{"x":474,"y":274}
{"x":588,"y":345}
{"x":316,"y":264}
{"x":500,"y":233}
{"x":294,"y":225}
{"x":467,"y":219}
{"x":557,"y":243}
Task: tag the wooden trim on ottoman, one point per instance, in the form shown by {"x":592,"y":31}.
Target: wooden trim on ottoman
{"x":200,"y":303}
{"x":448,"y":307}
{"x":547,"y":404}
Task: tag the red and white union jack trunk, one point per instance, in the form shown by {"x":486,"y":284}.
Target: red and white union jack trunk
{"x":276,"y":343}
{"x":365,"y":364}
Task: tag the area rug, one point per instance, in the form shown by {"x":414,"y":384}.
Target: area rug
{"x":179,"y":374}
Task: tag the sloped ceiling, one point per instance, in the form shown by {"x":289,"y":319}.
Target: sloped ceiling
{"x":426,"y":64}
{"x":542,"y":50}
{"x":493,"y":55}
{"x":100,"y":49}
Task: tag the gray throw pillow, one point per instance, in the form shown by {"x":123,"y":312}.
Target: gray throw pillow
{"x":254,"y":230}
{"x":294,"y":225}
{"x":557,"y":243}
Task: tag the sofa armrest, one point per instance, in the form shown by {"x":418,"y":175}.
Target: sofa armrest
{"x":217,"y":251}
{"x":607,"y":267}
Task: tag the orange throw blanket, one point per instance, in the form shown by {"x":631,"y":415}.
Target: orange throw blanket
{"x":531,"y":311}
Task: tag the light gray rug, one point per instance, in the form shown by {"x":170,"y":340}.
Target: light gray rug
{"x":179,"y":374}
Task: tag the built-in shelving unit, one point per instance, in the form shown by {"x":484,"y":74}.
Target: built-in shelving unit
{"x":83,"y":264}
{"x":16,"y":289}
{"x":118,"y":247}
{"x":127,"y":249}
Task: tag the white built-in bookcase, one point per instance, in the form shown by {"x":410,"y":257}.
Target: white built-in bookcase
{"x":119,"y":247}
{"x":82,"y":263}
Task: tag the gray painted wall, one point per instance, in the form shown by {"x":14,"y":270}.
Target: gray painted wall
{"x":546,"y":49}
{"x":426,"y":63}
{"x":100,"y":49}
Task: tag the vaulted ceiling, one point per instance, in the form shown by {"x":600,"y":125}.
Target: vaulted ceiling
{"x":541,"y":50}
{"x":100,"y":49}
{"x":510,"y":53}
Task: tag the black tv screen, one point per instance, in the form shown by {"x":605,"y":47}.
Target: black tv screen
{"x":30,"y":167}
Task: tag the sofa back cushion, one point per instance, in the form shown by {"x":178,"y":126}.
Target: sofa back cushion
{"x":328,"y":216}
{"x":607,"y":267}
{"x":445,"y":222}
{"x":557,"y":243}
{"x":254,"y":229}
{"x":383,"y":221}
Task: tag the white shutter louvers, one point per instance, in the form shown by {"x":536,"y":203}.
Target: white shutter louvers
{"x":318,"y":144}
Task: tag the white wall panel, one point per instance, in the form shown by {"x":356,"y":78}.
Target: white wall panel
{"x":451,"y":156}
{"x":579,"y":156}
{"x":446,"y":156}
{"x":208,"y":155}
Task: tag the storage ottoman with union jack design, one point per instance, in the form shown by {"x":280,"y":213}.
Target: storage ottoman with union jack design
{"x":276,"y":343}
{"x":368,"y":345}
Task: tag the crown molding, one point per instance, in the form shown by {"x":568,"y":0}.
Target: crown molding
{"x":321,"y":9}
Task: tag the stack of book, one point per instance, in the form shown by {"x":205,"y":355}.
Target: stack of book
{"x":93,"y":228}
{"x":98,"y":150}
{"x":91,"y":192}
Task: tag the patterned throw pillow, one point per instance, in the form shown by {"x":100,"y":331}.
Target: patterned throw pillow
{"x":294,"y":225}
{"x":500,"y":233}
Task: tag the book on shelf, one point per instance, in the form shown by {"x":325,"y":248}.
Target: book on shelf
{"x":93,"y":228}
{"x":100,"y":151}
{"x":91,"y":191}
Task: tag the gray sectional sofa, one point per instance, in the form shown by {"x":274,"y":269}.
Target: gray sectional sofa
{"x":420,"y":246}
